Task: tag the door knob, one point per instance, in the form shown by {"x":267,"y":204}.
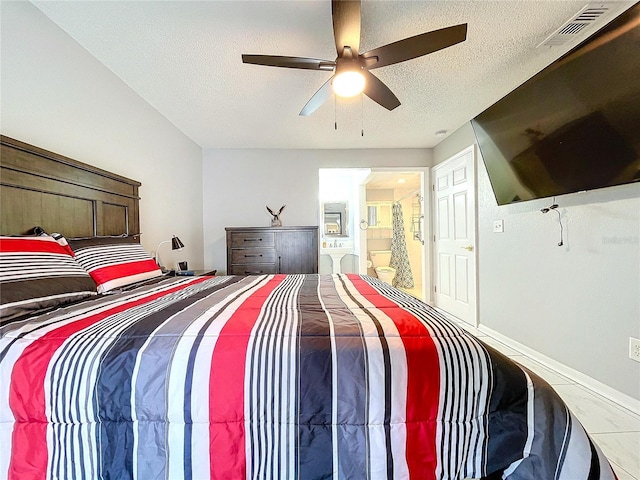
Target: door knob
{"x":468,"y":248}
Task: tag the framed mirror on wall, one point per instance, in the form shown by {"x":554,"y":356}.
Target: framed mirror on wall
{"x":335,"y":219}
{"x":379,"y":214}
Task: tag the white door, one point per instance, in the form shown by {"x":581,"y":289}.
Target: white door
{"x":454,"y":204}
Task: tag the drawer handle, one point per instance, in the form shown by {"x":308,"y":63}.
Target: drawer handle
{"x":252,"y":255}
{"x":246,"y":272}
{"x":252,"y":239}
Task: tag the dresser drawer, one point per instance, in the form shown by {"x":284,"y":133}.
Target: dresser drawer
{"x":252,"y":269}
{"x":253,"y":255}
{"x":252,"y":239}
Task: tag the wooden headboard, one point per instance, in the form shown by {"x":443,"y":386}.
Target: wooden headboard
{"x":42,"y":188}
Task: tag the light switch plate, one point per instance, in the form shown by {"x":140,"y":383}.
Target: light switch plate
{"x":498,"y":226}
{"x":634,"y":349}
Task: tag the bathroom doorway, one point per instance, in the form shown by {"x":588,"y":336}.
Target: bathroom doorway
{"x":357,"y":218}
{"x":393,"y":218}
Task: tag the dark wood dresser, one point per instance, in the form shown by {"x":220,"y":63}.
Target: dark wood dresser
{"x":260,"y":250}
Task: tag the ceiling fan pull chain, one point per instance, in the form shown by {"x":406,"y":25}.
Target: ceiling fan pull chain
{"x":335,"y":115}
{"x":362,"y":115}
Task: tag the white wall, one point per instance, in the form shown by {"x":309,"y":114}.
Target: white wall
{"x":56,"y":96}
{"x":577,"y":304}
{"x":239,"y":183}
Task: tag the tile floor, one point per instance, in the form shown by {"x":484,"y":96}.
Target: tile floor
{"x":416,"y":291}
{"x":615,"y":429}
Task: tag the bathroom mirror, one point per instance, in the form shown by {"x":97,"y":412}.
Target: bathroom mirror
{"x":379,"y":214}
{"x":335,"y":219}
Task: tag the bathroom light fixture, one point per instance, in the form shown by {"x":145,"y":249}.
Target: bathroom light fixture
{"x":176,"y":244}
{"x":441,"y":133}
{"x":402,"y":180}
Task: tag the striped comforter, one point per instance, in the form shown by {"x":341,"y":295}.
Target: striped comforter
{"x":273,"y":377}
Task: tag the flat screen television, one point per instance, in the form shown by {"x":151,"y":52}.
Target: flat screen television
{"x":574,"y":126}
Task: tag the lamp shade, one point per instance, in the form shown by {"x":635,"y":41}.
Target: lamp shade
{"x":176,"y":244}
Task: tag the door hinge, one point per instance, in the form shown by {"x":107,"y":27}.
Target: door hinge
{"x":435,"y":288}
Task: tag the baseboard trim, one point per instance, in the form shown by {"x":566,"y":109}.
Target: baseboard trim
{"x":622,"y":399}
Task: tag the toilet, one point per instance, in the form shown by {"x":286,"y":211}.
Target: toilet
{"x":380,"y":261}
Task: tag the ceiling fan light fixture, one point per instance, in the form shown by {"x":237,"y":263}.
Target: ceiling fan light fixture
{"x":348,"y":84}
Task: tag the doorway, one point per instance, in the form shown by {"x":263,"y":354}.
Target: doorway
{"x":392,"y":203}
{"x":367,"y":197}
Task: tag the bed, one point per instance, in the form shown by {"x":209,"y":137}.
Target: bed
{"x":266,"y":377}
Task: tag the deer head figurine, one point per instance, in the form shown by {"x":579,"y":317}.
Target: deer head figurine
{"x":275,"y":221}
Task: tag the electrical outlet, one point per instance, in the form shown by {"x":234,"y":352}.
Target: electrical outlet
{"x":634,"y":349}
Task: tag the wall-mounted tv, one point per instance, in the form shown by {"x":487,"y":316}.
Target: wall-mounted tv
{"x":573,"y":126}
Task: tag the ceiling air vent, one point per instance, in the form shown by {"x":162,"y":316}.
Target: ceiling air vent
{"x":586,"y":17}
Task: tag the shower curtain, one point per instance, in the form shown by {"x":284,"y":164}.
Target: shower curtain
{"x":399,"y":254}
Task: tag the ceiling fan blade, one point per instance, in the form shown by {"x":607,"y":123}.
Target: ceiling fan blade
{"x":346,"y":25}
{"x":289,"y":62}
{"x":417,"y":46}
{"x":379,"y":92}
{"x":318,"y":98}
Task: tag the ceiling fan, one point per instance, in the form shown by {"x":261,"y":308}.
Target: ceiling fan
{"x":352,"y":75}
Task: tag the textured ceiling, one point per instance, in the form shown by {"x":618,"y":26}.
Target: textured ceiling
{"x":393,"y":180}
{"x":184,"y":58}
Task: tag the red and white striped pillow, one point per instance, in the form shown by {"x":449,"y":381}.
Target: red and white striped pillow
{"x":114,"y":262}
{"x":37,"y":273}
